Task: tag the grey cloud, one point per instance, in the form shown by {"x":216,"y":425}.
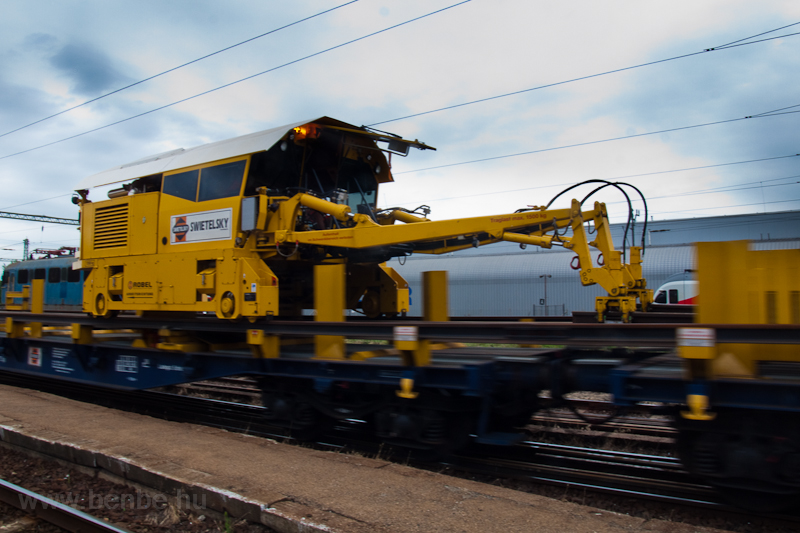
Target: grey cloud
{"x":714,"y":88}
{"x":40,"y":41}
{"x":90,"y":68}
{"x":20,"y":104}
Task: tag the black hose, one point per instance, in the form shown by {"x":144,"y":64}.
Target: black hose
{"x":606,"y":184}
{"x":644,"y":201}
{"x":630,"y":211}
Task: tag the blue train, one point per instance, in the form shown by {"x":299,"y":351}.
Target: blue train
{"x":63,"y":287}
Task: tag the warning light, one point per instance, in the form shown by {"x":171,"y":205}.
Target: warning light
{"x":307,"y":131}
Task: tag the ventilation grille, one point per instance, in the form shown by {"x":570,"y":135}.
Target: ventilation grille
{"x":111,"y":227}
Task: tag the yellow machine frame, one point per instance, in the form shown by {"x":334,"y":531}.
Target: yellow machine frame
{"x":159,"y":245}
{"x":742,"y":286}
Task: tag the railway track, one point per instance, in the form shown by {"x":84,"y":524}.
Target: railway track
{"x":653,"y":477}
{"x":629,"y":475}
{"x":54,"y":512}
{"x":636,"y":422}
{"x":603,"y":418}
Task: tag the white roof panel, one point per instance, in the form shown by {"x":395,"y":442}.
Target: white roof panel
{"x":181,"y":158}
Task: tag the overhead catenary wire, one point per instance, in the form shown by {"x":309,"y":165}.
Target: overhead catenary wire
{"x":706,"y":208}
{"x":728,"y":188}
{"x":36,"y":201}
{"x":395,"y":119}
{"x":588,"y":143}
{"x":757,"y":35}
{"x":173,"y":69}
{"x":627,"y":176}
{"x":294,"y":61}
{"x":769,"y":113}
{"x":589,"y":76}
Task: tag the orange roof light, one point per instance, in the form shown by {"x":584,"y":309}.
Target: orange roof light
{"x":307,"y":131}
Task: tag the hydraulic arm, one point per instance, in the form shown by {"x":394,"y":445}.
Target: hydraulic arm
{"x":362,"y":235}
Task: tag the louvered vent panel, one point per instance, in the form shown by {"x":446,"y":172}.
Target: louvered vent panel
{"x":111,"y":227}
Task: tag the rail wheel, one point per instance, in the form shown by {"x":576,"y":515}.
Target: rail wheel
{"x":751,"y":458}
{"x":432,"y":425}
{"x":290,"y":410}
{"x":513,"y":407}
{"x":306,"y":423}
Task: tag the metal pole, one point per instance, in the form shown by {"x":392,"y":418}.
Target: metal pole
{"x":545,"y":276}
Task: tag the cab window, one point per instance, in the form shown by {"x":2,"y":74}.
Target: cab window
{"x":73,"y":276}
{"x":54,"y":275}
{"x":183,"y":185}
{"x":277,"y":169}
{"x":673,"y":296}
{"x":221,"y":181}
{"x":661,"y":297}
{"x":23,"y":276}
{"x":357,"y":179}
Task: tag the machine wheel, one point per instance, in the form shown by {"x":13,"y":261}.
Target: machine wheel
{"x":101,"y":309}
{"x":371,"y":303}
{"x":227,"y":305}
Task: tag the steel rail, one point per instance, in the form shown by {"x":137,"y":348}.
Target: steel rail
{"x":695,"y":495}
{"x":54,"y":512}
{"x":617,"y":470}
{"x":657,"y":478}
{"x":558,"y":333}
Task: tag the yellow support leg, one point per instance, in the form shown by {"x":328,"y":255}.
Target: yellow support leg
{"x":264,"y":346}
{"x":698,"y":408}
{"x":81,"y":334}
{"x":179,"y":341}
{"x":14,"y":330}
{"x":422,"y":355}
{"x":329,"y":302}
{"x":37,"y":306}
{"x":415,"y":352}
{"x":434,"y":296}
{"x":407,"y":389}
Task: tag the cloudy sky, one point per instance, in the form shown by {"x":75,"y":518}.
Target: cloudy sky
{"x":58,"y":54}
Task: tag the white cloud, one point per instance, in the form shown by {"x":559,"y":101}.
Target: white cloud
{"x":472,"y":51}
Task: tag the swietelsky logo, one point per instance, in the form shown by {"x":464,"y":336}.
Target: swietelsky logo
{"x":180,"y":229}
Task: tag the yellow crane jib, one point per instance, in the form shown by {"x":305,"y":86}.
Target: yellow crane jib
{"x":238,"y":227}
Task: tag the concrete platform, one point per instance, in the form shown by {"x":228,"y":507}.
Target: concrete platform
{"x":286,"y":487}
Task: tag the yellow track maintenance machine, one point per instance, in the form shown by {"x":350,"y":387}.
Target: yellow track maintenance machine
{"x":284,"y":220}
